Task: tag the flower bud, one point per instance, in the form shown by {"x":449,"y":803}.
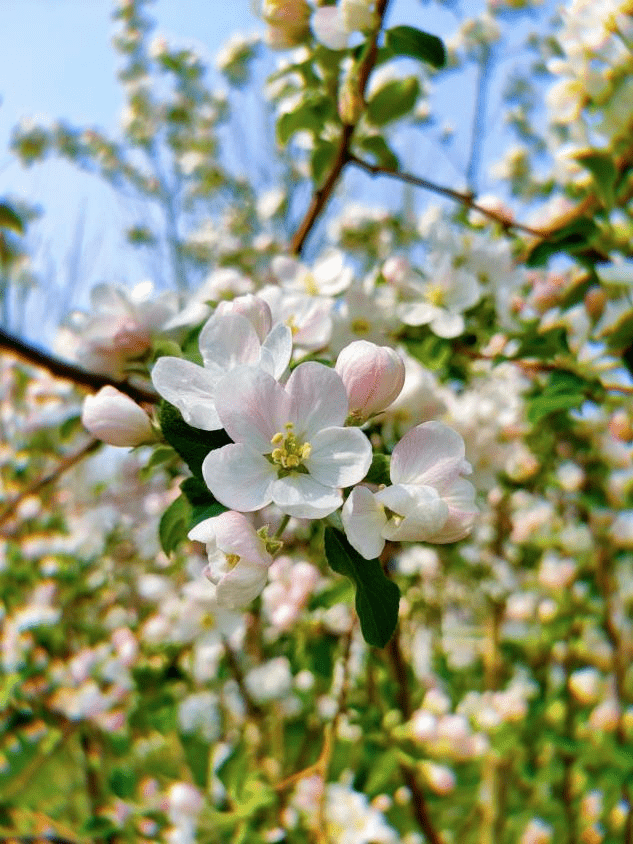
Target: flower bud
{"x":256,"y":311}
{"x":113,"y":417}
{"x":373,"y":377}
{"x":288,"y":22}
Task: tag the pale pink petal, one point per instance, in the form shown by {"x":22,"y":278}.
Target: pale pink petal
{"x":319,"y":399}
{"x":276,"y":351}
{"x":364,"y":520}
{"x":253,"y":407}
{"x":429,"y":454}
{"x":227,"y":341}
{"x":241,"y":585}
{"x":340,"y":457}
{"x":448,"y":325}
{"x":462,"y":512}
{"x":329,"y":28}
{"x":239,"y":477}
{"x":190,"y":388}
{"x":420,"y":512}
{"x":301,"y":496}
{"x":235,"y":534}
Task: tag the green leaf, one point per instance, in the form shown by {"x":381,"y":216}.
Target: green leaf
{"x":192,"y":444}
{"x":379,"y":149}
{"x":572,"y":238}
{"x":393,"y":100}
{"x":379,"y":470}
{"x":322,"y":160}
{"x":377,"y":597}
{"x":174,"y":524}
{"x":9,"y":219}
{"x":604,"y":172}
{"x":197,"y":755}
{"x":311,"y":114}
{"x":564,"y":391}
{"x":409,"y":41}
{"x":203,"y":504}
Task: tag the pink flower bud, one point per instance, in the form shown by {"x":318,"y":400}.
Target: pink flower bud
{"x":256,"y":311}
{"x":373,"y":377}
{"x":113,"y":417}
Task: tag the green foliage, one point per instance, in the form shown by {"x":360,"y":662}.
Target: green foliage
{"x":412,"y":42}
{"x":563,"y":391}
{"x":605,"y":174}
{"x":377,"y":597}
{"x":175,"y":523}
{"x":192,"y":444}
{"x":393,"y":100}
{"x":572,"y":239}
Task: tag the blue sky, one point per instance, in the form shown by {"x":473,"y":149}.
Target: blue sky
{"x":57,"y":62}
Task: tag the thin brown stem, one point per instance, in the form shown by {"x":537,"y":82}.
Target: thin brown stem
{"x":466,"y":199}
{"x":322,"y":195}
{"x":69,"y":372}
{"x":40,"y":483}
{"x":420,"y":809}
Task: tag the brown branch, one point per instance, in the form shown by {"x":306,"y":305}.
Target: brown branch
{"x":420,"y":809}
{"x":466,"y":199}
{"x":38,"y":485}
{"x":321,"y":196}
{"x":69,"y":372}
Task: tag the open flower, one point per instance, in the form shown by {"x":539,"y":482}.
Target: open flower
{"x":428,"y":501}
{"x":228,"y":340}
{"x":290,"y":447}
{"x":238,"y":558}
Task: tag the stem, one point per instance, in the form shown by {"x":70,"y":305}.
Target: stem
{"x":466,"y":199}
{"x":39,"y":484}
{"x":321,"y":196}
{"x":282,"y":526}
{"x":69,"y":372}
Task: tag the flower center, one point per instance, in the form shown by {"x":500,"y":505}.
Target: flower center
{"x":360,"y":326}
{"x":292,"y":325}
{"x":232,"y":560}
{"x":289,"y":453}
{"x":435,"y":294}
{"x":310,"y":285}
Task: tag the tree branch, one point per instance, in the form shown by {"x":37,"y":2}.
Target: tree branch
{"x":69,"y":372}
{"x":38,"y":485}
{"x":321,"y":196}
{"x":466,"y":199}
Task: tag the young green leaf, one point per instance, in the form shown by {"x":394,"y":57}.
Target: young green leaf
{"x":377,"y":597}
{"x":393,"y":100}
{"x":409,"y":41}
{"x":174,"y":524}
{"x":192,"y":444}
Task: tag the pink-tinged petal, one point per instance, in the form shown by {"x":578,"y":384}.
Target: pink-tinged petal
{"x":420,"y":512}
{"x":276,"y":351}
{"x":227,"y":341}
{"x":301,"y":496}
{"x":239,"y":477}
{"x":253,"y":407}
{"x":241,"y":585}
{"x":448,"y":325}
{"x":329,"y":28}
{"x":235,"y":534}
{"x":339,"y":457}
{"x":319,"y":399}
{"x":364,"y":520}
{"x":430,"y":454}
{"x":190,"y":388}
{"x":462,"y":512}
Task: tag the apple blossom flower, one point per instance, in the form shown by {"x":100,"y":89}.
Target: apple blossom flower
{"x":373,"y":377}
{"x":290,"y":447}
{"x":332,"y":25}
{"x":227,"y":340}
{"x":238,"y":557}
{"x":428,"y":501}
{"x":116,"y":419}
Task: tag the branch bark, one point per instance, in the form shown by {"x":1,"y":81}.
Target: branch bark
{"x":69,"y":372}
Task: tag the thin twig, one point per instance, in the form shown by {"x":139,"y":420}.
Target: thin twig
{"x":69,"y":372}
{"x":321,"y":196}
{"x":38,"y":485}
{"x":466,"y":199}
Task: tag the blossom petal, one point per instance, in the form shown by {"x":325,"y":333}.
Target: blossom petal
{"x":461,"y":513}
{"x":190,"y":388}
{"x":448,"y":325}
{"x":276,"y":350}
{"x":340,"y":457}
{"x":329,"y":28}
{"x":421,"y":512}
{"x":241,"y":585}
{"x":319,"y":399}
{"x":239,"y":477}
{"x":301,"y":496}
{"x":364,"y":520}
{"x":253,"y":407}
{"x":227,"y":341}
{"x":430,"y":454}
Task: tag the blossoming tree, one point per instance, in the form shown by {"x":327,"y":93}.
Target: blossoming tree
{"x":354,"y":564}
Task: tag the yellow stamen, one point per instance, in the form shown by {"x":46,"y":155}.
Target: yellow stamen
{"x":290,"y":454}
